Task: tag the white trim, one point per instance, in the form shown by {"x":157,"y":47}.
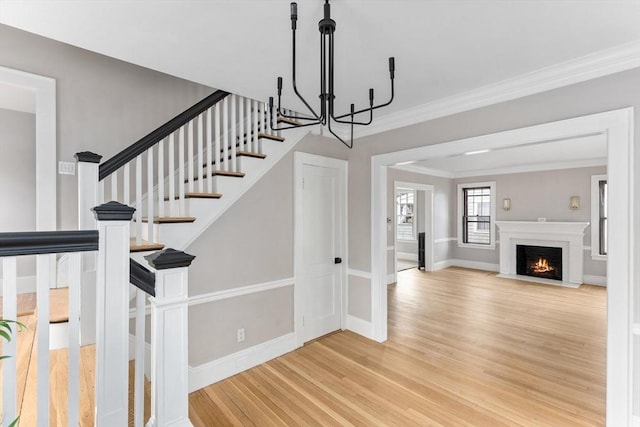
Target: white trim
{"x":440,"y":265}
{"x":211,"y":372}
{"x":595,"y":280}
{"x":636,"y":328}
{"x":44,"y":89}
{"x":537,"y":167}
{"x":595,"y":217}
{"x":391,"y":248}
{"x":446,"y":239}
{"x":391,"y":279}
{"x":619,"y":58}
{"x":586,"y":248}
{"x":409,"y":256}
{"x":460,"y":209}
{"x":237,"y":292}
{"x":359,"y":326}
{"x":476,"y":265}
{"x":299,"y":160}
{"x":622,"y":269}
{"x":147,"y":354}
{"x":359,"y":273}
{"x":636,"y":421}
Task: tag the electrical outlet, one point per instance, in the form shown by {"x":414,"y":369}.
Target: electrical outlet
{"x":240,"y":334}
{"x":66,"y":168}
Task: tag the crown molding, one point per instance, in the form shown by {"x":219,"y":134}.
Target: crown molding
{"x":504,"y":171}
{"x":598,"y":64}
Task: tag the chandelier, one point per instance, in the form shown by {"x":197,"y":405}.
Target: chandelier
{"x":326,"y":114}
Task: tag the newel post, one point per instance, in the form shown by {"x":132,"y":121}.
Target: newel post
{"x":88,"y":164}
{"x":112,"y":315}
{"x":169,"y":339}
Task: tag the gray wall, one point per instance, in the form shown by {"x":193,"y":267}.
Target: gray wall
{"x":251,"y":243}
{"x":603,"y":94}
{"x":534,"y":195}
{"x":18,"y":178}
{"x":103,"y":105}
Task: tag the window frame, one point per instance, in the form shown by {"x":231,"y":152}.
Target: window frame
{"x":492,"y":214}
{"x":399,"y":191}
{"x":595,"y":217}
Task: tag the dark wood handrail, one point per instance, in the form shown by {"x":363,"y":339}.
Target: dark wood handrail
{"x":47,"y":242}
{"x":142,"y":145}
{"x":142,"y":278}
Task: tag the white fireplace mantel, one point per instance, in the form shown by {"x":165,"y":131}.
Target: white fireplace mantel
{"x":566,"y":235}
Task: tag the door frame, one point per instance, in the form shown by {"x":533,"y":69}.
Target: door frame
{"x":300,"y":159}
{"x":428,"y":223}
{"x":623,"y":263}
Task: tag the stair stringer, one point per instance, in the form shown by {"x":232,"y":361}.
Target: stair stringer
{"x":180,"y":236}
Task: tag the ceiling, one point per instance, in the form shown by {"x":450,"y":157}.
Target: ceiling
{"x":590,"y":150}
{"x":442,"y":47}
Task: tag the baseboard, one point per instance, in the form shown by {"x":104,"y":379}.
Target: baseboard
{"x":227,"y":366}
{"x":441,"y":264}
{"x":359,"y":273}
{"x":391,"y":278}
{"x":409,"y":256}
{"x":26,"y":285}
{"x":360,"y":326}
{"x":476,"y":265}
{"x":588,"y":279}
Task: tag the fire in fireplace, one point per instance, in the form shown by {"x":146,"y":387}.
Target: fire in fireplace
{"x":539,"y":261}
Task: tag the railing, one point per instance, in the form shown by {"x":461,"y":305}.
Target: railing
{"x":164,"y":284}
{"x":157,"y":173}
{"x":43,"y":244}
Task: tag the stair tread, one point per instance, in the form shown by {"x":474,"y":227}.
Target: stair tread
{"x":269,"y":136}
{"x":289,"y":121}
{"x":169,"y":219}
{"x":219,"y":173}
{"x":144,"y":246}
{"x":241,"y":153}
{"x":195,"y":195}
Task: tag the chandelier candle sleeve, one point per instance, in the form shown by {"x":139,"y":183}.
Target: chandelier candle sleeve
{"x":325,"y":115}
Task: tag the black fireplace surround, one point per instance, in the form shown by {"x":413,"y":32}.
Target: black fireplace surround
{"x":539,"y":261}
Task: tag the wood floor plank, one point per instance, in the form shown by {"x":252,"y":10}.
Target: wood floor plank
{"x":464,"y":348}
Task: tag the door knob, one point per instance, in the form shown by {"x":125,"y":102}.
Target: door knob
{"x":337,"y":260}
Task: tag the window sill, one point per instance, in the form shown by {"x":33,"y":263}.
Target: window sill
{"x":407,"y":240}
{"x":472,"y":246}
{"x":598,"y":257}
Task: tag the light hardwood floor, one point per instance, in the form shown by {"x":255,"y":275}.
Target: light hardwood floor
{"x":465,"y":348}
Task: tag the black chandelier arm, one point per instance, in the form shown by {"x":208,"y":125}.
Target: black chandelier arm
{"x":352,"y":121}
{"x":290,"y":116}
{"x":350,"y":144}
{"x":295,"y":87}
{"x":355,"y":113}
{"x":271,"y":122}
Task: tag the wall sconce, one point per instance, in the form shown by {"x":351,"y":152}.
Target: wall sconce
{"x":574,"y":203}
{"x":506,"y":204}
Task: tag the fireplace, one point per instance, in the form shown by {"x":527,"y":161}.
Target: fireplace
{"x":539,"y":261}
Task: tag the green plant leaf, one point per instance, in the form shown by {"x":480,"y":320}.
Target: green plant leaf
{"x":14,"y":423}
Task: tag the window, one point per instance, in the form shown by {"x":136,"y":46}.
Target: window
{"x":405,"y":218}
{"x":599,"y":214}
{"x":476,"y":210}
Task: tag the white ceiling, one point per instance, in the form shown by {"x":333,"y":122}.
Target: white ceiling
{"x":442,"y":47}
{"x":585,"y":151}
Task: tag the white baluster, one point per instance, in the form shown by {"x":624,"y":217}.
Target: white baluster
{"x":43,"y":284}
{"x":138,"y":395}
{"x":200,"y":154}
{"x":9,"y":311}
{"x":217,"y":142}
{"x":190,"y":159}
{"x":74,"y":339}
{"x":234,"y":140}
{"x":241,"y":119}
{"x":161,"y":178}
{"x":150,"y":236}
{"x":181,"y":171}
{"x":138,"y":212}
{"x":254,"y":137}
{"x":225,"y":133}
{"x":114,"y":185}
{"x":101,"y":191}
{"x":263,"y":118}
{"x":126,"y":184}
{"x":172,"y":177}
{"x":209,"y":152}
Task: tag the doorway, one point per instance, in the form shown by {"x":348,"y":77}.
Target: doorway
{"x":319,"y":245}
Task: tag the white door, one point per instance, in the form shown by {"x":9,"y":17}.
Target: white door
{"x":321,"y":244}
